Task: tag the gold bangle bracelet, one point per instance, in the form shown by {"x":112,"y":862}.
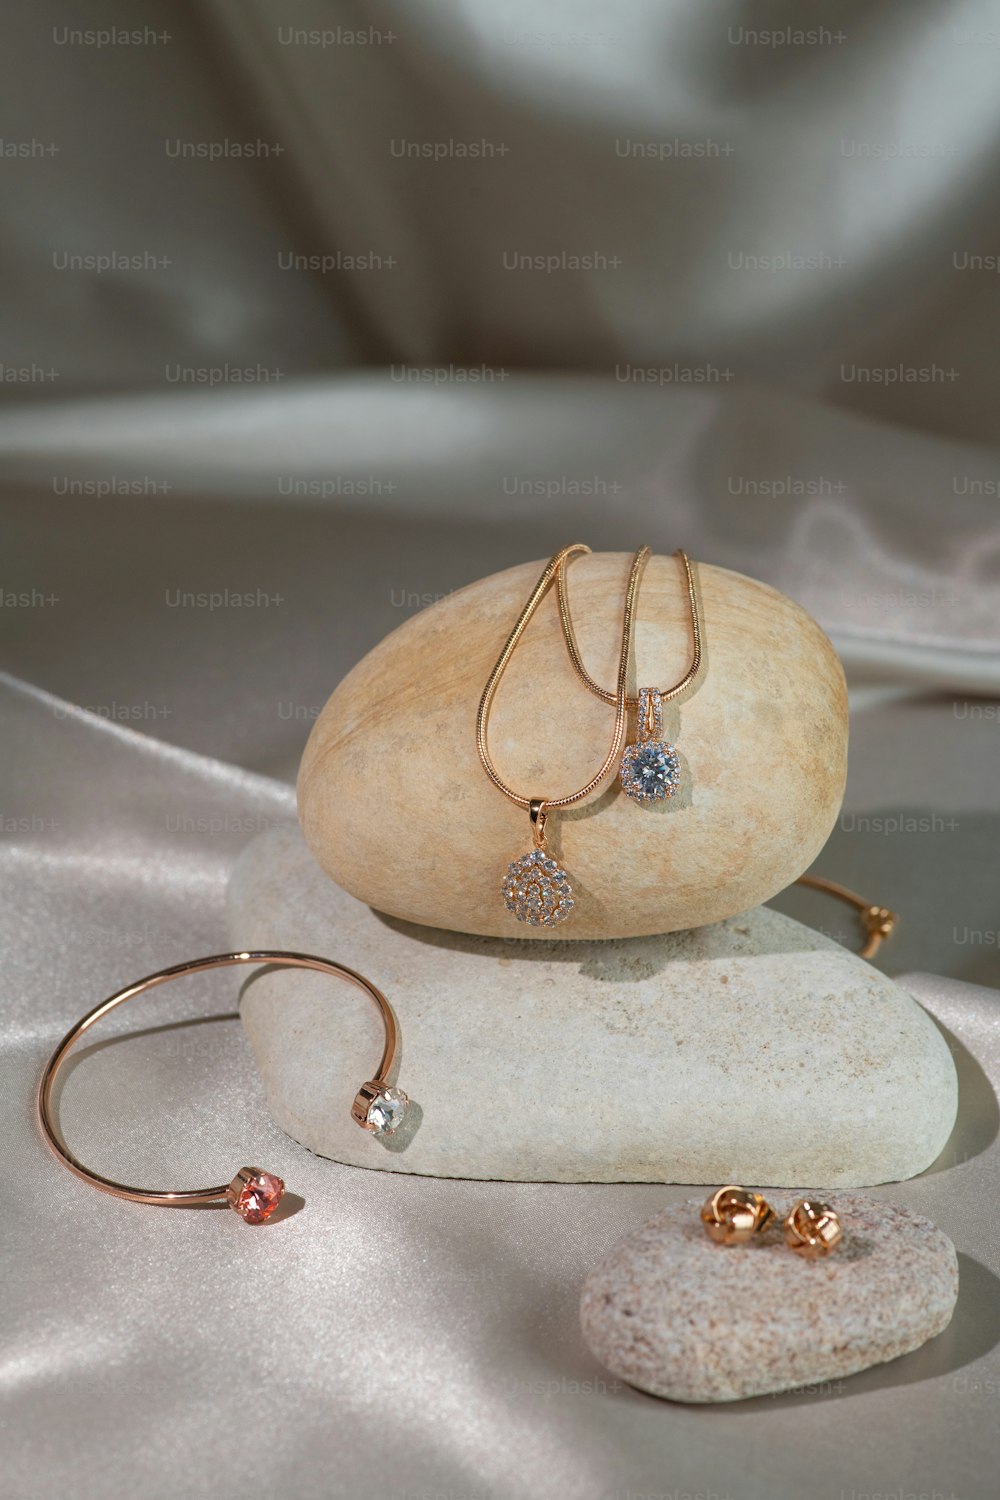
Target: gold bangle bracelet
{"x":253,"y":1193}
{"x":878,"y":922}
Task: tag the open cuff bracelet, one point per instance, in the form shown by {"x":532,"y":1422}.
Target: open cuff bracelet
{"x":253,"y":1193}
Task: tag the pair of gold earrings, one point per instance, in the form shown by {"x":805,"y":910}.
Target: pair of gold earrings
{"x":734,"y":1216}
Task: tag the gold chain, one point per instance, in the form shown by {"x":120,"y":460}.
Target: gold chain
{"x":878,"y":921}
{"x":574,"y":650}
{"x":554,"y":567}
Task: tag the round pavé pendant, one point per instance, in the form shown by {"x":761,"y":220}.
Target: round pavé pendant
{"x":536,"y":890}
{"x":651,"y":768}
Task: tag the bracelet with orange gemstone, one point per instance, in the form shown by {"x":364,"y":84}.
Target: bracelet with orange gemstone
{"x":253,"y":1193}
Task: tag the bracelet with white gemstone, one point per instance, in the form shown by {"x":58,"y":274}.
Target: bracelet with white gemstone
{"x":253,"y":1193}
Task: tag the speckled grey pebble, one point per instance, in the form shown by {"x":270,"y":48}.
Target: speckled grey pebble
{"x":677,"y":1315}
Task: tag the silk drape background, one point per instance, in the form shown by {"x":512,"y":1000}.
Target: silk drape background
{"x":779,"y":352}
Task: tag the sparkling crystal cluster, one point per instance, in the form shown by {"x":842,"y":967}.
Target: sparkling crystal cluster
{"x":536,"y":890}
{"x":651,"y":770}
{"x":650,"y":714}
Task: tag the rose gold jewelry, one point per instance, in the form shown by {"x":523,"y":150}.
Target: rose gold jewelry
{"x":878,"y":921}
{"x":732,"y":1216}
{"x":812,"y":1229}
{"x":253,"y":1193}
{"x":650,"y":768}
{"x":535,"y":888}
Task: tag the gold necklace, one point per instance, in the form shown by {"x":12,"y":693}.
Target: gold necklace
{"x":878,"y":922}
{"x":535,"y":888}
{"x":650,"y":768}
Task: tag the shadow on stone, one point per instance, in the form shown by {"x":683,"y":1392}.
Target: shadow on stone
{"x":973,"y":1331}
{"x":978,"y":1121}
{"x":402,"y":1137}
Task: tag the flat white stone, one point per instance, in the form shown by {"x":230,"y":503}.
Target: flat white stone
{"x":755,"y":1050}
{"x":674,"y":1314}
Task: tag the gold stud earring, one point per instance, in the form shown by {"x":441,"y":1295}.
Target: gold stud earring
{"x":812,"y":1229}
{"x":732,"y":1215}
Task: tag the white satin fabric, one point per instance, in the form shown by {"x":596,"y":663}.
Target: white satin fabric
{"x":419,"y":1338}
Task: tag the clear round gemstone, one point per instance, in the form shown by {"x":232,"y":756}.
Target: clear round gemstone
{"x":652,"y":767}
{"x":650,"y":770}
{"x":386,"y":1111}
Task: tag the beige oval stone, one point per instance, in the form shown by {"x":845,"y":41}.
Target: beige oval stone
{"x":398,"y":810}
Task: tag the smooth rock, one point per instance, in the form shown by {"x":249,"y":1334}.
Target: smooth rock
{"x":755,"y":1049}
{"x":674,"y":1314}
{"x":399,"y":812}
